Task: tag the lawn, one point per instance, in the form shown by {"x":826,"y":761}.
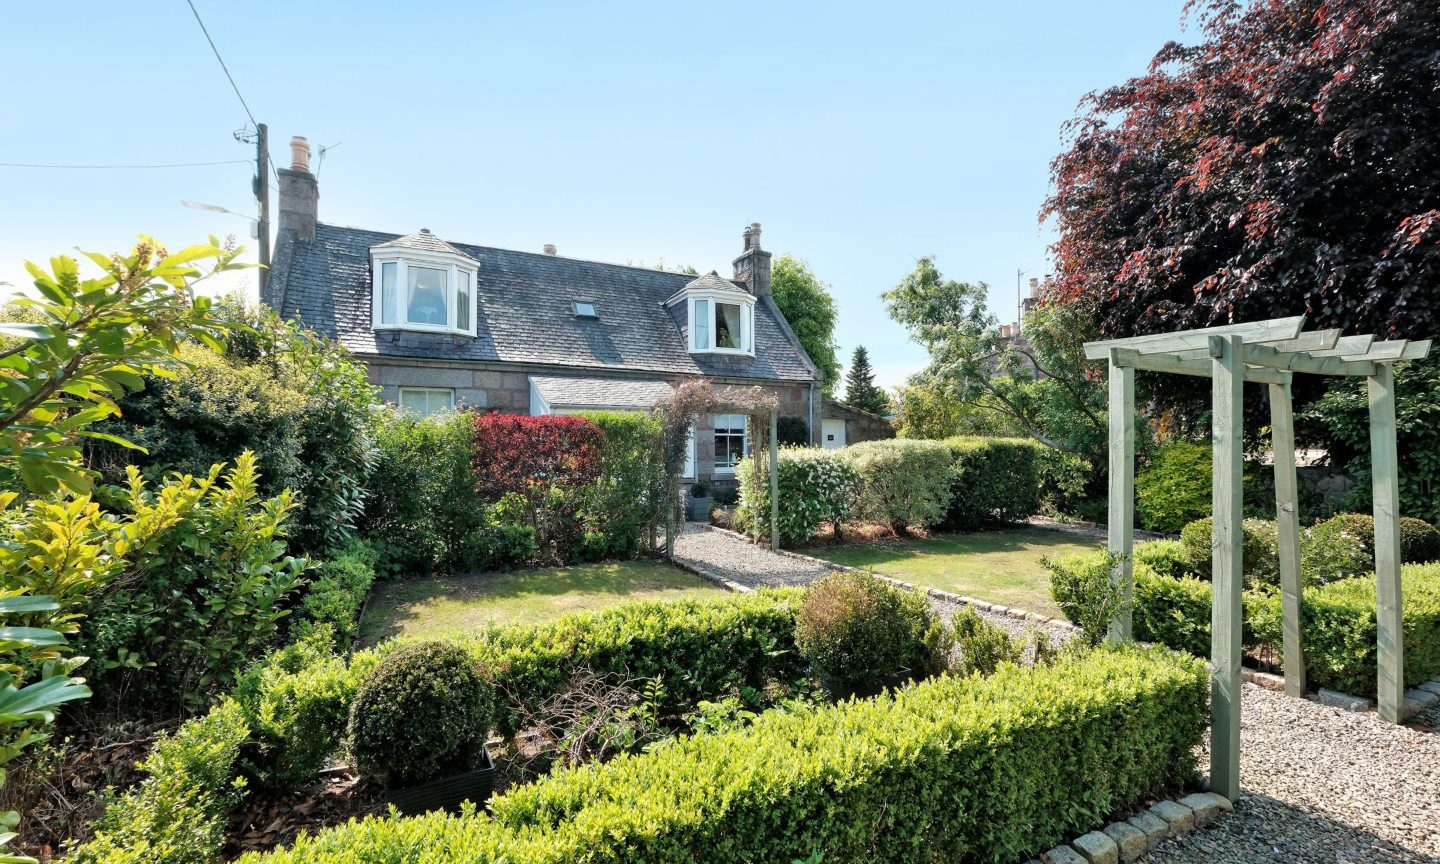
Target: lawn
{"x":998,"y":566}
{"x":446,"y":606}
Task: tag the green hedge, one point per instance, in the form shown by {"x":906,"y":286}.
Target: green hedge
{"x":336,"y":593}
{"x":902,"y":482}
{"x":1173,"y":490}
{"x":975,"y":769}
{"x":995,"y":480}
{"x":817,"y":486}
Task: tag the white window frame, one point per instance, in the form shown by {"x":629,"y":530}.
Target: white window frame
{"x":400,"y":397}
{"x":456,"y":268}
{"x":691,"y":462}
{"x":714,"y":298}
{"x":717,"y":468}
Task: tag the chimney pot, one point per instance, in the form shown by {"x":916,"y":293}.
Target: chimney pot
{"x":299,"y":154}
{"x":753,"y":265}
{"x":549,"y":248}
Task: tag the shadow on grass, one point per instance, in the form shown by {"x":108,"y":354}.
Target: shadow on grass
{"x":999,"y":541}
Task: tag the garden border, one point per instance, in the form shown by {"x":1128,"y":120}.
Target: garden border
{"x":1127,"y":840}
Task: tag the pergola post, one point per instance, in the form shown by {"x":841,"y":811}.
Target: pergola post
{"x":775,"y":479}
{"x":1287,"y":525}
{"x":1384,"y":469}
{"x":1121,"y":529}
{"x":1227,"y":562}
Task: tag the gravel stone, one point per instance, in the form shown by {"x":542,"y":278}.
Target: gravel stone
{"x":1062,"y":855}
{"x":1097,"y":848}
{"x":1153,"y":827}
{"x":1130,"y":839}
{"x":1319,"y":784}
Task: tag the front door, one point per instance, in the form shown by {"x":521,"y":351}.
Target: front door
{"x":832,"y":433}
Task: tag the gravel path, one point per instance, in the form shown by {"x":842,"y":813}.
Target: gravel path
{"x":1323,"y":785}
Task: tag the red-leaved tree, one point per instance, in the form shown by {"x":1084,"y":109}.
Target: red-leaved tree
{"x":1288,"y":163}
{"x":542,"y":464}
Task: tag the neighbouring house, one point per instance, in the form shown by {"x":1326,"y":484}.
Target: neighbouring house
{"x":443,"y":325}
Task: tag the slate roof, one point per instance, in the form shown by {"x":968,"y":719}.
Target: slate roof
{"x":422,"y":239}
{"x":523,"y":311}
{"x":563,"y":391}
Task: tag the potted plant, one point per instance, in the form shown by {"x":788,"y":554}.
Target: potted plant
{"x":697,"y":506}
{"x":419,"y":723}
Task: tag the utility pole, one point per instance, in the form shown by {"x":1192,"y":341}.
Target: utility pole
{"x":262,"y":197}
{"x":1019,"y":300}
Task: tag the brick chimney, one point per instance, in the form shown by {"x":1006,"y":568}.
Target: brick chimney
{"x":299,"y":193}
{"x":753,"y":265}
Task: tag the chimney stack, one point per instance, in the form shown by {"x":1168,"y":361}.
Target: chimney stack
{"x":549,"y":248}
{"x":753,"y":265}
{"x":299,"y":194}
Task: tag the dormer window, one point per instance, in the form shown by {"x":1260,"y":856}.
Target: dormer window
{"x":721,"y":316}
{"x":423,"y":283}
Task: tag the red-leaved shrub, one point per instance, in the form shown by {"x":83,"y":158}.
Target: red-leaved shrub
{"x":541,"y":464}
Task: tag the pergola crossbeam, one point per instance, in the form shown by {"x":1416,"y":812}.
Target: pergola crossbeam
{"x":1277,"y":330}
{"x":1348,"y":346}
{"x":1132,"y":359}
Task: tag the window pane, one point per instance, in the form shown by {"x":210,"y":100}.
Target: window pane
{"x":747,"y":328}
{"x":727,"y":325}
{"x":462,"y":301}
{"x":387,"y":294}
{"x":426,"y":304}
{"x":701,"y":324}
{"x":426,"y":400}
{"x":730,"y":443}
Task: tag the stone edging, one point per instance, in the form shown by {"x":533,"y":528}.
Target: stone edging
{"x":1417,"y":699}
{"x":1127,"y":840}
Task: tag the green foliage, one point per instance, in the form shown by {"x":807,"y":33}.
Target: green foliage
{"x":336,"y":593}
{"x":806,"y":303}
{"x":1174,"y":488}
{"x":179,"y":813}
{"x":860,"y":390}
{"x":924,"y":411}
{"x":1165,"y":557}
{"x":792,"y":430}
{"x":1341,"y":547}
{"x":817,"y":486}
{"x":87,"y":343}
{"x":902,"y":482}
{"x":1081,"y":587}
{"x":861,"y":632}
{"x":1087,"y":737}
{"x":423,"y":712}
{"x":1064,"y":479}
{"x":623,"y":504}
{"x":297,"y":400}
{"x":995,"y":480}
{"x":1419,"y":541}
{"x":1259,"y":546}
{"x":1176,"y":611}
{"x":982,"y":645}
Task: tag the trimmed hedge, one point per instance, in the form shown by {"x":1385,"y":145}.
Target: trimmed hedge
{"x":1261,"y":549}
{"x":902,"y":482}
{"x":976,"y":769}
{"x":816,"y":486}
{"x":1174,"y":489}
{"x":995,"y":480}
{"x":336,"y":593}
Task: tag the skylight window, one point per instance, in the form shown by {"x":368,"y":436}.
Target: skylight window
{"x":584,"y":309}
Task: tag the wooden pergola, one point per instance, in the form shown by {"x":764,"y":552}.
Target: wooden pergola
{"x":1264,"y":352}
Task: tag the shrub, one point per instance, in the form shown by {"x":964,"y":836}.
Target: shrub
{"x":816,"y":486}
{"x":1078,"y":741}
{"x":1419,"y":541}
{"x":423,"y":712}
{"x":793,"y":431}
{"x":1165,"y":557}
{"x":902,"y":482}
{"x":336,"y":593}
{"x":1259,"y":545}
{"x":1064,"y":478}
{"x":1081,"y":587}
{"x":994,"y":480}
{"x":1174,"y":488}
{"x":179,"y":813}
{"x":1341,"y":547}
{"x":859,"y":632}
{"x":982,"y":645}
{"x":625,"y":500}
{"x":300,"y":402}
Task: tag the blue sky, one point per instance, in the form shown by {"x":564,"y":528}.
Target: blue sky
{"x":861,"y":136}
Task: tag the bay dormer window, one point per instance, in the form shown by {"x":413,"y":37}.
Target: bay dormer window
{"x":720,"y":316}
{"x":423,"y":283}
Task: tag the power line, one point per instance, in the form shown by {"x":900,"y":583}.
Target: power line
{"x":228,"y":76}
{"x":99,"y":166}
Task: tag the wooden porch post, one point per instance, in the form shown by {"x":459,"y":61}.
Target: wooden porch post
{"x":775,"y":478}
{"x":1287,"y":524}
{"x":1227,"y":563}
{"x":1384,"y":468}
{"x":1121,"y":528}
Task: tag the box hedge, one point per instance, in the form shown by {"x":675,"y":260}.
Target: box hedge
{"x":991,"y":769}
{"x":902,"y":482}
{"x":995,"y":480}
{"x":817,"y":486}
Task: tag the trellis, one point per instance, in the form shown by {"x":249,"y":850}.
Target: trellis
{"x":1264,"y":352}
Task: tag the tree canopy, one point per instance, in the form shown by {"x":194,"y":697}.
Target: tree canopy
{"x":860,"y":389}
{"x":1288,"y":163}
{"x":806,"y":303}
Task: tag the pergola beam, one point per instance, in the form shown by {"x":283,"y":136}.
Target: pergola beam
{"x":1264,"y":355}
{"x":1347,"y":346}
{"x":1130,"y":358}
{"x":1277,"y":330}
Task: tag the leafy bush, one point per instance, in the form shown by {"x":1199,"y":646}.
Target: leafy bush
{"x":625,"y":500}
{"x":1341,"y":547}
{"x":1081,"y":587}
{"x":816,"y":486}
{"x":179,"y":813}
{"x":336,"y":593}
{"x":902,"y":482}
{"x":1174,"y":488}
{"x":793,"y":431}
{"x":1419,"y":541}
{"x":297,"y":400}
{"x":810,"y":783}
{"x":423,"y":712}
{"x":1064,"y":478}
{"x":982,"y":645}
{"x":995,"y":480}
{"x":1260,"y":547}
{"x":860,"y":632}
{"x":1165,"y":557}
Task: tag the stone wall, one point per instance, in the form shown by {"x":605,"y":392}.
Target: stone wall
{"x":859,"y":425}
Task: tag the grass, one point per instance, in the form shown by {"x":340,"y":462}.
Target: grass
{"x":455,"y":605}
{"x":998,"y":566}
